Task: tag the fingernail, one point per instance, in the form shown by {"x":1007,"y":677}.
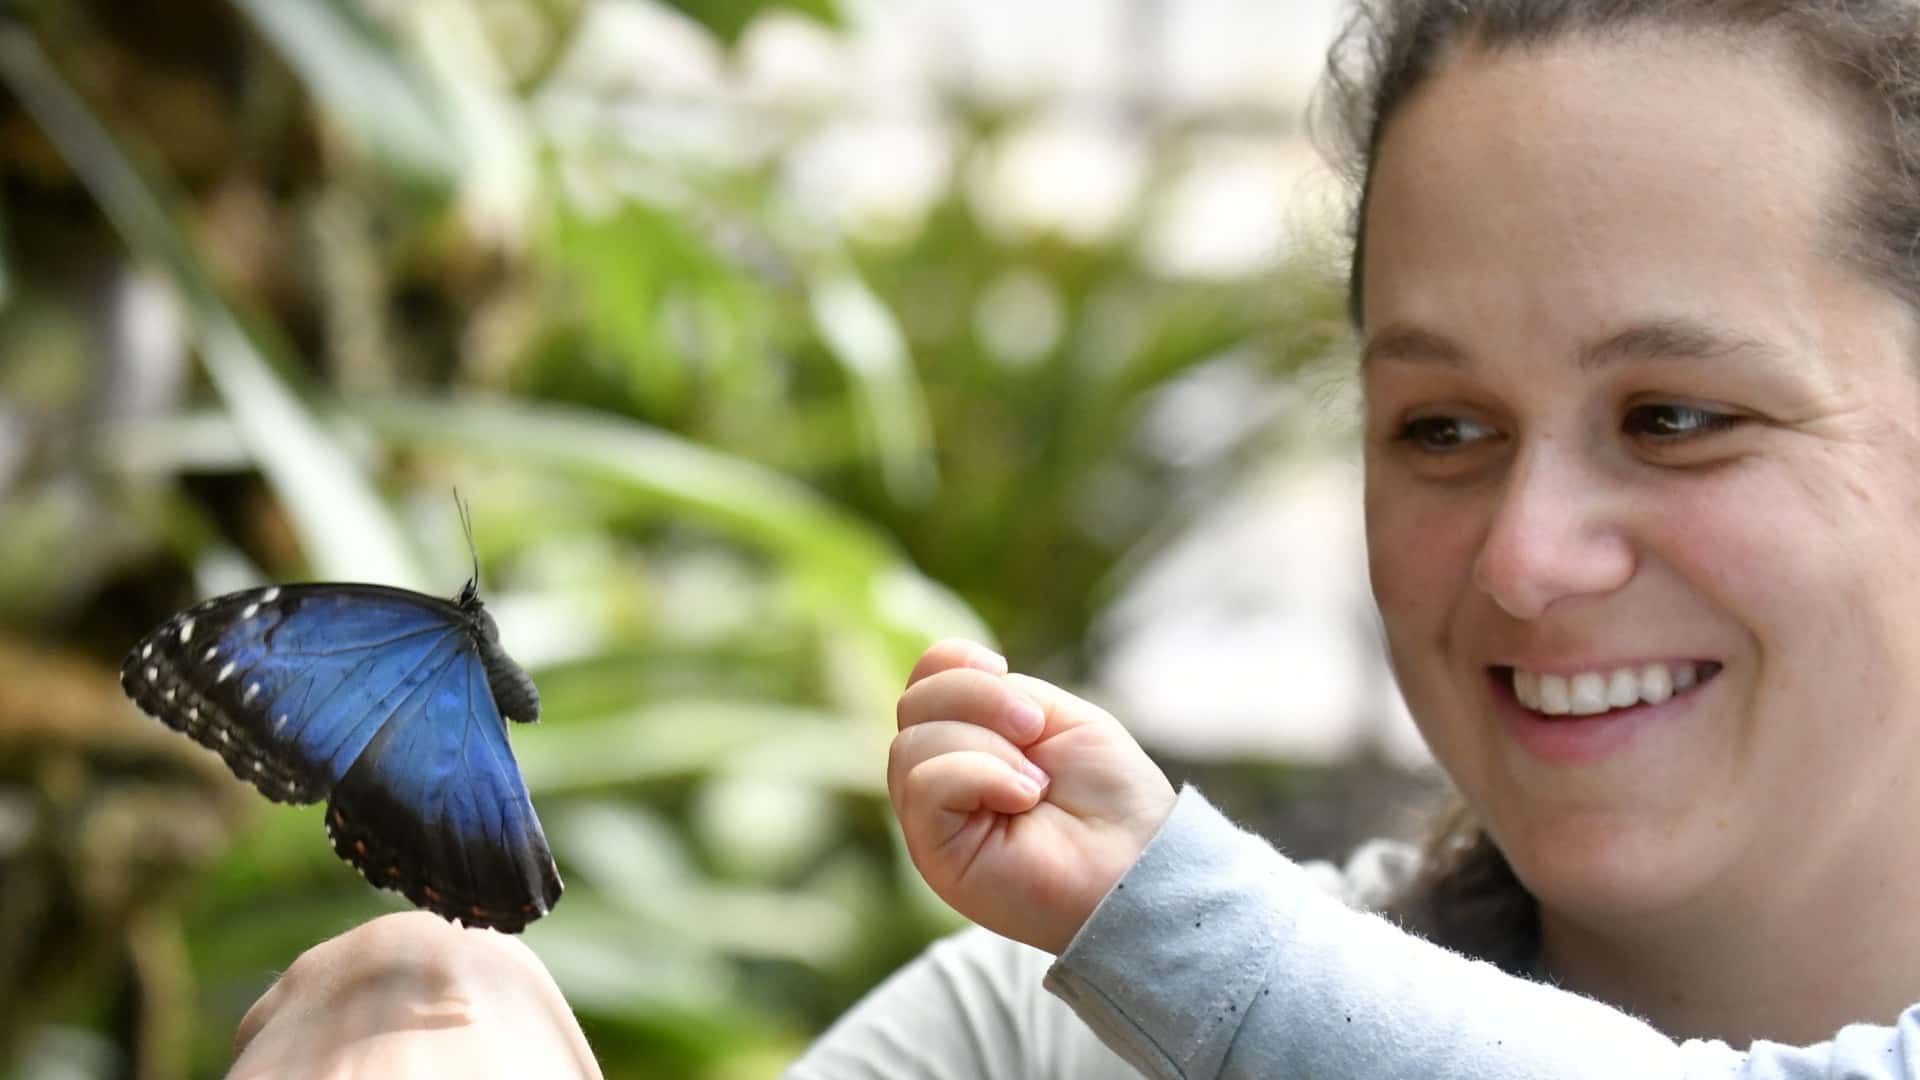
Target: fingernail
{"x":987,"y":660}
{"x":1035,"y":773}
{"x":1028,"y":718}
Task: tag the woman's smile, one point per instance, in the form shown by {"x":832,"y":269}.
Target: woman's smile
{"x":1574,"y":712}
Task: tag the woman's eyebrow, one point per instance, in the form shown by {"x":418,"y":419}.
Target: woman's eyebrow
{"x":1399,"y":341}
{"x":1652,"y":340}
{"x":1674,"y":339}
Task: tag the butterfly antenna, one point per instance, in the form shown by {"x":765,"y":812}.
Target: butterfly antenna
{"x":466,"y":524}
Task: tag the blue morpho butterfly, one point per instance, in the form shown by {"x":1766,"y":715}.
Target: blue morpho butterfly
{"x":388,"y":704}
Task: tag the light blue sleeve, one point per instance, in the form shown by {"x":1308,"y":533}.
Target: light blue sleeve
{"x":1218,"y":957}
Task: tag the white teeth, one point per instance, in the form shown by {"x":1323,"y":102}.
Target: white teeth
{"x":1656,"y":685}
{"x":1587,"y":694}
{"x":1624,"y":689}
{"x":1592,"y":692}
{"x":1526,"y":687}
{"x":1553,"y":695}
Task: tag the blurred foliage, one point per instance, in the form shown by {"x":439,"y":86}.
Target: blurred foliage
{"x":276,"y":275}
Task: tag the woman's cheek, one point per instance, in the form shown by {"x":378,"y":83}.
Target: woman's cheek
{"x":1419,"y":553}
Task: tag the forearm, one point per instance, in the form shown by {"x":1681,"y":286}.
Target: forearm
{"x":1217,"y":956}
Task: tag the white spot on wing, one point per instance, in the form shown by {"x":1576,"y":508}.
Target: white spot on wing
{"x":167,"y":695}
{"x":193,"y":712}
{"x":186,"y":631}
{"x":279,"y":722}
{"x":250,"y":611}
{"x":212,"y":651}
{"x":224,"y":672}
{"x":270,"y":595}
{"x":146,"y":651}
{"x":153,"y":673}
{"x":253,"y":691}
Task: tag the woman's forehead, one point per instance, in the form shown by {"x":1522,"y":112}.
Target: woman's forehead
{"x":1600,"y":175}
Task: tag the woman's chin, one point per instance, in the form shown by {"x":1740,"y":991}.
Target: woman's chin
{"x":1613,"y":866}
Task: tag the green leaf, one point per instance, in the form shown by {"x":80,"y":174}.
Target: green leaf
{"x":655,"y":293}
{"x":635,"y":861}
{"x":728,"y":19}
{"x":345,"y":530}
{"x":366,"y":83}
{"x":6,"y":276}
{"x":679,"y":739}
{"x":862,"y":334}
{"x":848,"y":560}
{"x":487,"y":121}
{"x":605,"y":961}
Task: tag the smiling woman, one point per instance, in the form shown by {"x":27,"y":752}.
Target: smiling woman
{"x":1652,"y":417}
{"x":1636,"y":285}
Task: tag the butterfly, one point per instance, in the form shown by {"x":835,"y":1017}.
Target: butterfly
{"x":387,"y":703}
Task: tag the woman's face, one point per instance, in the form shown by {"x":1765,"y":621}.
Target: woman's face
{"x":1643,"y":485}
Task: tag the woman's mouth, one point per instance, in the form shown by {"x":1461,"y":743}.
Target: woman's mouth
{"x":1568,"y":717}
{"x":1603,"y":690}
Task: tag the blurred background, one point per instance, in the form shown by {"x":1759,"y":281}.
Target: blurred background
{"x":770,"y":342}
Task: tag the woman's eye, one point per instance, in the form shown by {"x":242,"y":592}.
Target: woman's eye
{"x":1440,"y":434}
{"x":1668,"y":421}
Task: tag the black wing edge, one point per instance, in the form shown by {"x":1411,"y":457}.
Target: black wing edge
{"x":479,"y":886}
{"x":154,"y":676}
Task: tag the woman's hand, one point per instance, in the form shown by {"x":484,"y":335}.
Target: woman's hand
{"x":1022,"y":804}
{"x":413,"y":995}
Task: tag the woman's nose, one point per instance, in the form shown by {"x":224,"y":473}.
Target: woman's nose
{"x":1555,"y":535}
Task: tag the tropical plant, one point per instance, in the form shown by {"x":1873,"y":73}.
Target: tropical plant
{"x":277,"y":276}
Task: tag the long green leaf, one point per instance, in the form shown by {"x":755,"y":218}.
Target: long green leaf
{"x":498,"y":185}
{"x":637,"y":862}
{"x":728,"y":19}
{"x":6,"y":276}
{"x":864,"y":337}
{"x":754,"y":504}
{"x":366,"y":83}
{"x":679,"y":739}
{"x":344,"y":529}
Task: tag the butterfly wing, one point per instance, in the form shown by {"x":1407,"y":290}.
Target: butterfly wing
{"x":378,"y":697}
{"x":435,"y":808}
{"x":289,"y":683}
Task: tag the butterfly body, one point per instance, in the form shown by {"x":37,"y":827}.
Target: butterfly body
{"x":389,"y":704}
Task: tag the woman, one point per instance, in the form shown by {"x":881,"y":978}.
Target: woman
{"x":1637,"y":285}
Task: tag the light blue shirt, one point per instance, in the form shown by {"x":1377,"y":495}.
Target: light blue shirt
{"x":1218,"y":957}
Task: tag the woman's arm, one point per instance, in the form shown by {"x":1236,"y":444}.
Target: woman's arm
{"x":1215,"y":956}
{"x":1197,"y":951}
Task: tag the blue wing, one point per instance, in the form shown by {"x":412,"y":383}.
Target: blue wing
{"x":436,"y":810}
{"x":379,"y":698}
{"x":290,"y":683}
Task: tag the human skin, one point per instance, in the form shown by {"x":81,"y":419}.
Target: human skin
{"x":411,"y":994}
{"x":1733,"y":481}
{"x":1021,"y":804}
